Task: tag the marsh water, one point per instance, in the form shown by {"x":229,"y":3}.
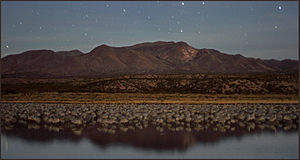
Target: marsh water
{"x":25,"y":142}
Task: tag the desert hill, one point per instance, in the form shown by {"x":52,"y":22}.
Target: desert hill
{"x":144,"y":58}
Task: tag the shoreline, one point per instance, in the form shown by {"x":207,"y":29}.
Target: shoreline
{"x":162,"y":102}
{"x":147,"y":98}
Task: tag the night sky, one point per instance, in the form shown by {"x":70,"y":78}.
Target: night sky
{"x":267,"y":30}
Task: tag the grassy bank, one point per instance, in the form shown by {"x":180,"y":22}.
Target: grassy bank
{"x":88,"y":97}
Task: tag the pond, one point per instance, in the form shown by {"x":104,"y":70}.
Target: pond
{"x":92,"y":142}
{"x":53,"y":130}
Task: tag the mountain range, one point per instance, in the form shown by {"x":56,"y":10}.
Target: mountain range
{"x":144,"y":58}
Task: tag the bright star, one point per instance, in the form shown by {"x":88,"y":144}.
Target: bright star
{"x":275,"y":27}
{"x":6,"y":46}
{"x":279,"y":7}
{"x":181,"y":30}
{"x":203,"y":3}
{"x":182,"y":3}
{"x":124,"y":10}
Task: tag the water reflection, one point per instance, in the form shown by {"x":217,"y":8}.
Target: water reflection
{"x":147,"y":138}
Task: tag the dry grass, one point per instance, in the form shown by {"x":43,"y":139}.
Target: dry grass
{"x":72,"y":97}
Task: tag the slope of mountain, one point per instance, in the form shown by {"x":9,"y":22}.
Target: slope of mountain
{"x":151,"y":57}
{"x":70,"y":53}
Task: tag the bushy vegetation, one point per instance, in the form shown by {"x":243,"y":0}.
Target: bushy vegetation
{"x":192,"y":83}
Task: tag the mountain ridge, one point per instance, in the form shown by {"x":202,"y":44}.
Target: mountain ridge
{"x":158,"y":57}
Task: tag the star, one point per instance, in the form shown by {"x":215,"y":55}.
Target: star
{"x":279,"y":7}
{"x":182,"y":3}
{"x":181,"y":31}
{"x":6,"y":46}
{"x":203,"y":3}
{"x":275,"y":27}
{"x":21,"y":22}
{"x":124,"y":10}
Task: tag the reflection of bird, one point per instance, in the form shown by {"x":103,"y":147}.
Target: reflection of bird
{"x":6,"y":147}
{"x":188,"y":140}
